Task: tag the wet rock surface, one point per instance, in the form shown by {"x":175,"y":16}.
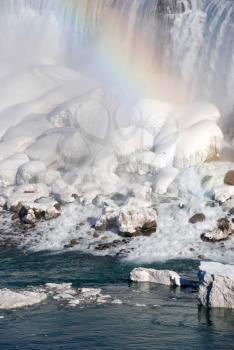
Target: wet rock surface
{"x":229,"y":178}
{"x":199,"y":217}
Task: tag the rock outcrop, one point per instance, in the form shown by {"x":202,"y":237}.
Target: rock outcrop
{"x":216,"y":287}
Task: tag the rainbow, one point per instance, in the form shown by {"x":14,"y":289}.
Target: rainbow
{"x":121,"y":49}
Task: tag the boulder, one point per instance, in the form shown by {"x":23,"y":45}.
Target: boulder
{"x":128,"y":221}
{"x":216,"y":285}
{"x":221,"y":233}
{"x":199,"y":217}
{"x":24,"y":194}
{"x":137,"y":221}
{"x":107,"y":219}
{"x":229,"y":178}
{"x":167,"y":277}
{"x":30,"y":213}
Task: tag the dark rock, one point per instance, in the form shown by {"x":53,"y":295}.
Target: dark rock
{"x":109,"y":245}
{"x":199,"y":217}
{"x":146,"y":230}
{"x":229,"y":178}
{"x":73,"y":243}
{"x":201,"y":257}
{"x":231,"y":211}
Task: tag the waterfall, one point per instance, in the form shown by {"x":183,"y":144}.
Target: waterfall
{"x":191,"y":39}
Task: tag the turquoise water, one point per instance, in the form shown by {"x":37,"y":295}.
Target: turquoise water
{"x":150,"y":316}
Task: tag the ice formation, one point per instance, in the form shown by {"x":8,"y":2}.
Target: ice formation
{"x":10,"y":299}
{"x":141,"y":274}
{"x":90,"y":141}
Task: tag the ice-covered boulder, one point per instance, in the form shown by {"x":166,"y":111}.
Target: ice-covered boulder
{"x":216,"y":287}
{"x":45,"y":148}
{"x":222,"y":193}
{"x":73,"y":148}
{"x":63,"y":192}
{"x":153,"y":114}
{"x":9,"y":168}
{"x":127,"y":141}
{"x":46,"y":209}
{"x":25,"y":193}
{"x":137,"y":221}
{"x":164,"y":179}
{"x":28,"y":172}
{"x":221,"y":233}
{"x":195,"y":144}
{"x":129,"y":221}
{"x":167,"y":277}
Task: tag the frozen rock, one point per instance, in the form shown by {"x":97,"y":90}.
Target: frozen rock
{"x":45,"y":148}
{"x":221,"y":233}
{"x":107,"y":219}
{"x":129,"y":220}
{"x":141,"y":163}
{"x":223,"y":192}
{"x":28,"y":173}
{"x":170,"y":278}
{"x":11,"y":147}
{"x":131,"y":140}
{"x":26,"y":193}
{"x":9,"y":168}
{"x":142,"y":192}
{"x":49,"y":177}
{"x":216,"y":287}
{"x":153,"y":114}
{"x":149,"y":162}
{"x":73,"y":148}
{"x":63,"y":192}
{"x":11,"y":299}
{"x":137,"y":221}
{"x":60,"y":118}
{"x":196,"y":143}
{"x":164,"y":179}
{"x":46,"y":209}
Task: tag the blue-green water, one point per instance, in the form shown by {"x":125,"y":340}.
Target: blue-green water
{"x":150,"y":316}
